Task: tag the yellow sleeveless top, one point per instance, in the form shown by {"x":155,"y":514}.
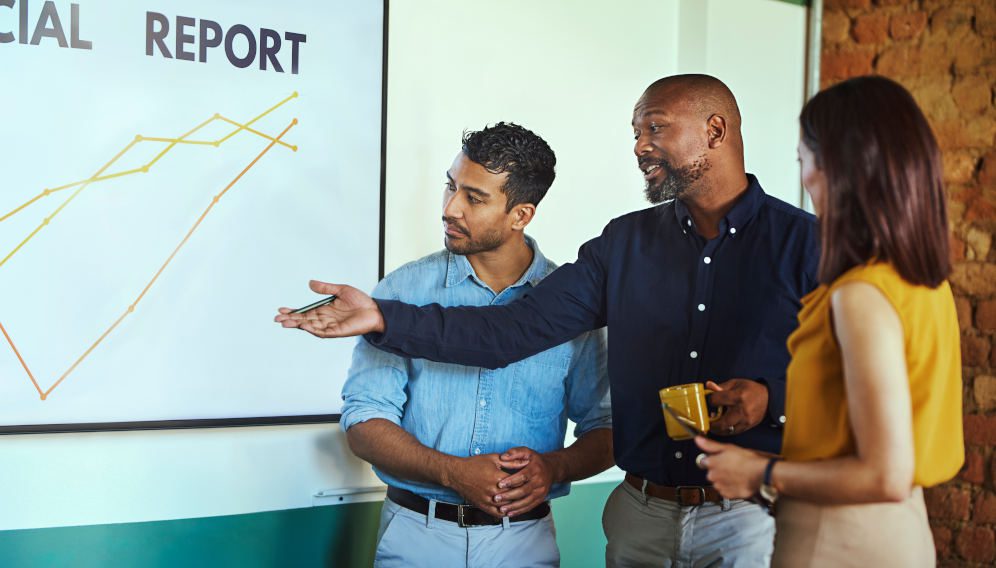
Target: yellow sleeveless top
{"x":817,"y":424}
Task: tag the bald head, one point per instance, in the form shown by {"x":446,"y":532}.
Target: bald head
{"x":688,"y":140}
{"x":703,"y":95}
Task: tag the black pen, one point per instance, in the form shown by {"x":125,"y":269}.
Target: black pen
{"x":318,"y":304}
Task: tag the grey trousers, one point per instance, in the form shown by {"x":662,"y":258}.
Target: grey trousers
{"x":645,"y":531}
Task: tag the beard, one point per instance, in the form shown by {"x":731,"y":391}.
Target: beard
{"x":488,"y":241}
{"x":677,"y":182}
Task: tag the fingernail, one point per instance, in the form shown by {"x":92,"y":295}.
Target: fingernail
{"x":497,"y":497}
{"x":504,"y":509}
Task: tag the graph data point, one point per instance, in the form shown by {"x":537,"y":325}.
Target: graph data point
{"x":295,"y":94}
{"x":47,"y":191}
{"x":217,"y":115}
{"x":216,"y":198}
{"x":294,"y":121}
{"x":145,"y":169}
{"x":216,"y":143}
{"x":44,"y":396}
{"x":45,"y":222}
{"x":294,"y":148}
{"x":131,"y":308}
{"x":138,"y":138}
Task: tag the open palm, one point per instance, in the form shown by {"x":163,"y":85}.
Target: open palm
{"x":352,"y":313}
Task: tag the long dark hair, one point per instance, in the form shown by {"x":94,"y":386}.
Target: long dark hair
{"x":884,"y":198}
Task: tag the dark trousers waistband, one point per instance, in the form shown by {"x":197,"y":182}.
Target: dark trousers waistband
{"x":463,"y":515}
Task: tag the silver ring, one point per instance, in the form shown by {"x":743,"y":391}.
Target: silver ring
{"x":700,"y":461}
{"x":731,"y":430}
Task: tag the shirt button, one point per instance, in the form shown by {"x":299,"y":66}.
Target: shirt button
{"x":707,"y":260}
{"x":781,"y":419}
{"x":483,"y":403}
{"x":701,"y":307}
{"x":689,"y":222}
{"x":693,"y":354}
{"x":678,"y":455}
{"x":477,"y":451}
{"x":733,"y":230}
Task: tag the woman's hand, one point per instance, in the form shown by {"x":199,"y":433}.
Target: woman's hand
{"x":735,"y":472}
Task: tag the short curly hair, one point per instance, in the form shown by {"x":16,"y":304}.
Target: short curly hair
{"x":508,"y":147}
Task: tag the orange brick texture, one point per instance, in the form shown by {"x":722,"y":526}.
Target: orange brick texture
{"x":944,"y":52}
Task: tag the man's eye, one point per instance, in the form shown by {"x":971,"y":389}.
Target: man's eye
{"x":654,"y":128}
{"x":449,"y":187}
{"x":474,"y":200}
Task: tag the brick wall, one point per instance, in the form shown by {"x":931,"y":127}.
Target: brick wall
{"x":944,"y":52}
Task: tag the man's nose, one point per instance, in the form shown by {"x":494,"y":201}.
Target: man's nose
{"x":450,"y":206}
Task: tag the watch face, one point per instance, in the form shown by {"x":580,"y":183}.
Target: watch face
{"x":769,"y":493}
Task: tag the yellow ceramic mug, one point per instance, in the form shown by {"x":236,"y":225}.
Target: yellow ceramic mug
{"x":689,"y":402}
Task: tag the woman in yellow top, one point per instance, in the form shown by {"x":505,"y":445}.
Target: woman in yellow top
{"x":873,"y":402}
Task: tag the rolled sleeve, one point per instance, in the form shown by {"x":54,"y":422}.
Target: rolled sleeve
{"x":588,"y":402}
{"x":377,"y":381}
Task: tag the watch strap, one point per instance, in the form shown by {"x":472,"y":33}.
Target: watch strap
{"x":768,"y":468}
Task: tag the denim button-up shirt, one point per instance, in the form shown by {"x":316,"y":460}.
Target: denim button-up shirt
{"x":679,"y":309}
{"x":465,"y":411}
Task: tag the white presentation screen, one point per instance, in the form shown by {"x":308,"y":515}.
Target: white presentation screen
{"x":170,"y":173}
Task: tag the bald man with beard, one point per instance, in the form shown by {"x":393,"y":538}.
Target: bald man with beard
{"x":704,"y":286}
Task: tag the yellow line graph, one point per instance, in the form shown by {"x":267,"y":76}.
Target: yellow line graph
{"x":99,"y":176}
{"x":171,"y":143}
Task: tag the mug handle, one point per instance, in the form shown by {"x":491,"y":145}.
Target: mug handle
{"x":719,"y":409}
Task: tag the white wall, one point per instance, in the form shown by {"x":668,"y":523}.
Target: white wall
{"x":757,"y":48}
{"x":572,"y":71}
{"x":569,"y":70}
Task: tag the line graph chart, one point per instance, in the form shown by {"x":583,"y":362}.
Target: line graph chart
{"x":103,"y":175}
{"x":155,"y":212}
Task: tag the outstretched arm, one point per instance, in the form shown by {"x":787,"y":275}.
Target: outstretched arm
{"x":565,"y":304}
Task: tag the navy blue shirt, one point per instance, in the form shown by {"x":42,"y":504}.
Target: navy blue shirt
{"x":679,"y":309}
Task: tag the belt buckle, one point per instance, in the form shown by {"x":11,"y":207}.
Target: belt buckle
{"x":460,"y":523}
{"x":679,"y":493}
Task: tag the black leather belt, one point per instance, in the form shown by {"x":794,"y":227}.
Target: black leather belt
{"x":463,"y":515}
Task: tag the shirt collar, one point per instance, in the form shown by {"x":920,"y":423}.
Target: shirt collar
{"x":742,"y":212}
{"x":458,"y":268}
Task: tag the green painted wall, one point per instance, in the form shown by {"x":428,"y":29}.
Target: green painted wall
{"x":340,"y":536}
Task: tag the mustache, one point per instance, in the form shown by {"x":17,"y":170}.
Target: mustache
{"x":452,"y":224}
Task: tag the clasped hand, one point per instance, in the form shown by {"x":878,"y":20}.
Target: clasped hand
{"x":486,"y":483}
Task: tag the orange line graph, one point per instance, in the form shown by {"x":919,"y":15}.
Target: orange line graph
{"x":44,"y":393}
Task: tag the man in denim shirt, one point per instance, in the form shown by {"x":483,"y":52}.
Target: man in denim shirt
{"x":448,"y":439}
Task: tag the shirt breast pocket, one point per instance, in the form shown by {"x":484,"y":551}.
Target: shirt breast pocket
{"x":538,"y":384}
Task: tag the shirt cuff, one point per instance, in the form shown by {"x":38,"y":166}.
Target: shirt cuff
{"x":776,"y":402}
{"x":351,"y":418}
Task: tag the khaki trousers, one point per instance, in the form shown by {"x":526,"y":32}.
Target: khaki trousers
{"x":877,"y":534}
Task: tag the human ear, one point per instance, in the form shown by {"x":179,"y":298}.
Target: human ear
{"x":522,"y":214}
{"x":716,"y":129}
